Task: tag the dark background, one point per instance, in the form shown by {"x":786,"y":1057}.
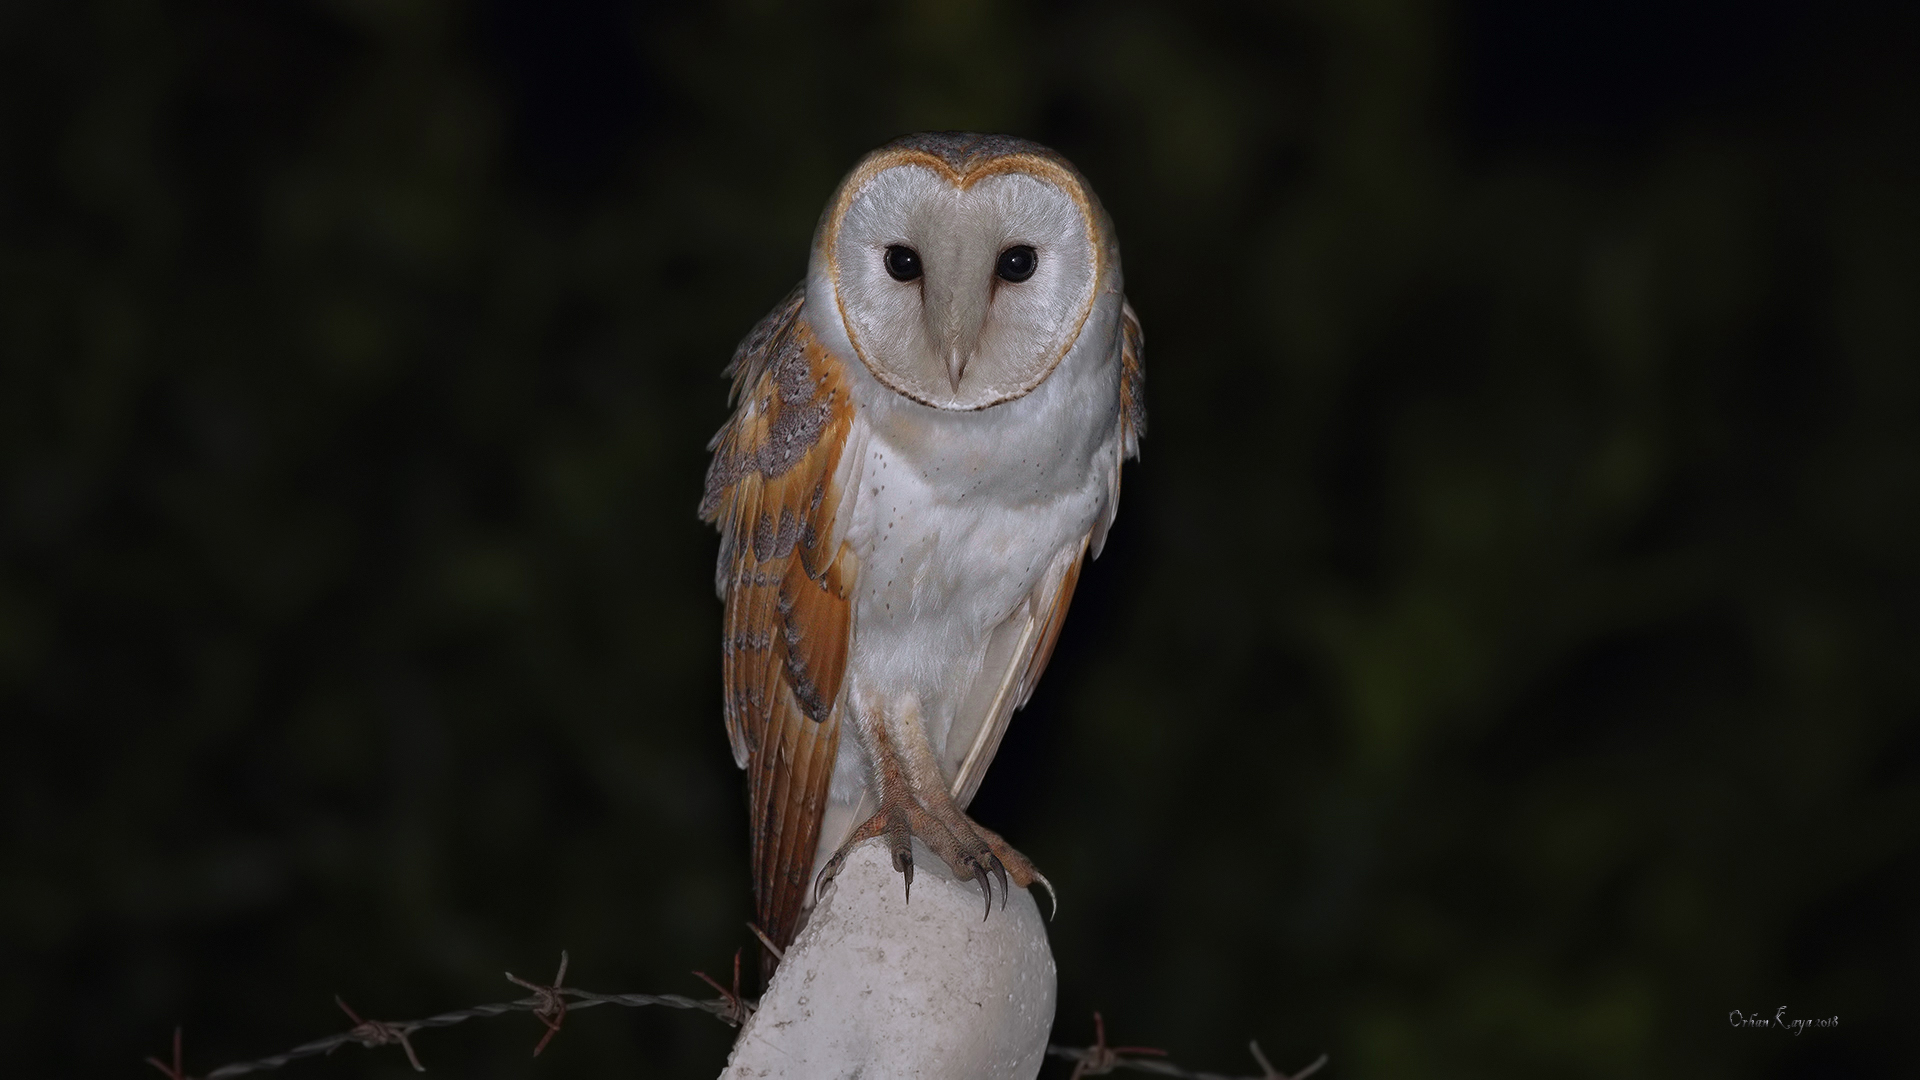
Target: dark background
{"x":1503,"y":665}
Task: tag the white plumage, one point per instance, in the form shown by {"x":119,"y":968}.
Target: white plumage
{"x":928,"y":443}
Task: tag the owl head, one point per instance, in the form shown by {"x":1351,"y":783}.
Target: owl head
{"x":963,"y":267}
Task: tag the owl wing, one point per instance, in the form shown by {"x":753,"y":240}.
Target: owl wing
{"x":1017,"y":654}
{"x":1133,"y":383}
{"x":786,"y":580}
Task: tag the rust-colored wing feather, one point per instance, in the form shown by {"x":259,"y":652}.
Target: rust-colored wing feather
{"x":771,"y":489}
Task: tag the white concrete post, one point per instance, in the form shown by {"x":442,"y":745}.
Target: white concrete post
{"x":876,"y":986}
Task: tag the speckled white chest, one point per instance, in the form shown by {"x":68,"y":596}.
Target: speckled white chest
{"x":957,"y":518}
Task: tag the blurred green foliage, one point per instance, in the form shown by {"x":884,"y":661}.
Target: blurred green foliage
{"x":1504,"y":664}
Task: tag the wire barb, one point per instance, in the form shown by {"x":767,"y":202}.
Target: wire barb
{"x":552,"y":1007}
{"x":372,"y":1033}
{"x":778,"y":953}
{"x":176,"y":1072}
{"x":1268,"y":1072}
{"x":1101,"y":1059}
{"x":738,"y":1007}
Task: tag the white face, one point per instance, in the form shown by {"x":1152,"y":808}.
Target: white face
{"x":963,"y":298}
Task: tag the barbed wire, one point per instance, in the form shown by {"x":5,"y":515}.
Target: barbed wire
{"x":1100,"y":1059}
{"x":551,"y":1002}
{"x":548,"y":1003}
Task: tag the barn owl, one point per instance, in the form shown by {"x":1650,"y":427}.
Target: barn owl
{"x":925,"y":446}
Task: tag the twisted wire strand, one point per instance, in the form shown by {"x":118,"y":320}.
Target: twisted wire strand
{"x":730,"y":1008}
{"x":577,"y":999}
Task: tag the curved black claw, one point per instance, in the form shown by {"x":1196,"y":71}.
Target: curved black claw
{"x":1053,"y":898}
{"x":980,"y":875}
{"x":999,"y":871}
{"x":900,"y":840}
{"x":827,"y":873}
{"x":903,"y":862}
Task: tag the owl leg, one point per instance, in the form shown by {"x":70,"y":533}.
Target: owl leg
{"x":915,"y":801}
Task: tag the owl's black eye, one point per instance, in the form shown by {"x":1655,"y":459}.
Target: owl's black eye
{"x":903,"y":263}
{"x":1017,"y":263}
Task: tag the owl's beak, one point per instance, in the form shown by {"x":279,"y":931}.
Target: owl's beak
{"x":956,"y":367}
{"x":956,"y":310}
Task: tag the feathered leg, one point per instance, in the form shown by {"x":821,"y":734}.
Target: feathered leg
{"x":915,"y":800}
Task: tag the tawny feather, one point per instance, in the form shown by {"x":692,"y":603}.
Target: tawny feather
{"x":771,"y":489}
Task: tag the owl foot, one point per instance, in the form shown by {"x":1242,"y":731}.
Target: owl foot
{"x":972,"y":852}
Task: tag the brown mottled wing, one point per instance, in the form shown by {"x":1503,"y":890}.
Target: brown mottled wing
{"x":771,"y":489}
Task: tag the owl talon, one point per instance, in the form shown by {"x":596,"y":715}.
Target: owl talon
{"x":973,"y":853}
{"x":1053,"y":898}
{"x":876,"y":825}
{"x":900,"y":839}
